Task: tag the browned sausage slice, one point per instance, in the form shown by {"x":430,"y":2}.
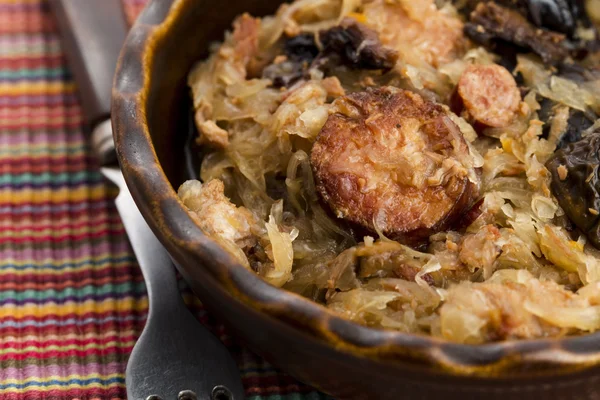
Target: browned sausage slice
{"x":489,"y":94}
{"x":391,"y":160}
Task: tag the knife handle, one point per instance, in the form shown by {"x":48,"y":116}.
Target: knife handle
{"x":92,"y":33}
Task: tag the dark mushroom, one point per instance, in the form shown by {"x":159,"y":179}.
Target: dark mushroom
{"x":357,"y":46}
{"x":299,"y":52}
{"x":563,"y":16}
{"x":576,"y":184}
{"x":556,"y":15}
{"x":351,"y":44}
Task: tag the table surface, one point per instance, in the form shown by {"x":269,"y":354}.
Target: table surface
{"x":72,"y":298}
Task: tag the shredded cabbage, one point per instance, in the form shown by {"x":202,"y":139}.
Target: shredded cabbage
{"x":509,"y":269}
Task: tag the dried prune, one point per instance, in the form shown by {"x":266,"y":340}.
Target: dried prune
{"x":302,"y":47}
{"x":561,"y":16}
{"x":556,"y":15}
{"x":357,"y":46}
{"x":576,"y":183}
{"x":350,"y":43}
{"x":300,"y":51}
{"x":577,"y":122}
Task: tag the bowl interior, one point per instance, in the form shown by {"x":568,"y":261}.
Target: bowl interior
{"x":170,"y":115}
{"x":167,"y":112}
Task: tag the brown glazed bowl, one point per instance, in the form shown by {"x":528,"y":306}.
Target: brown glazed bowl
{"x":348,"y":361}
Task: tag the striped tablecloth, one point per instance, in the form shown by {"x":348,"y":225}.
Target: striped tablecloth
{"x":72,"y":300}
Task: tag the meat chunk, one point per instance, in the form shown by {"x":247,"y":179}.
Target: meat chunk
{"x":216,"y":215}
{"x":246,"y":30}
{"x":391,"y":259}
{"x":417,"y":30}
{"x":461,"y":255}
{"x":480,"y":250}
{"x":491,"y":21}
{"x":489,"y":95}
{"x":388,"y":160}
{"x":232,"y":63}
{"x":333,"y":86}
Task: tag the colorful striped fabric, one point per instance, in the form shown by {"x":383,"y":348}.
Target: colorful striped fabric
{"x":72,"y":300}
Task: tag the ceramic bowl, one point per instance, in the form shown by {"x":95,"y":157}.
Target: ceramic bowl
{"x":151,"y":121}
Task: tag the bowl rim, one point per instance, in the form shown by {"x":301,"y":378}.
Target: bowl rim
{"x":175,"y":228}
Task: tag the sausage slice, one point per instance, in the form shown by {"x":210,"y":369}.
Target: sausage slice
{"x":389,"y":160}
{"x":489,"y":94}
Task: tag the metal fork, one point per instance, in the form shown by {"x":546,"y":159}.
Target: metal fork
{"x":176,"y":357}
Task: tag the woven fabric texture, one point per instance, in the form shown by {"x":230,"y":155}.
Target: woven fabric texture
{"x":72,"y":299}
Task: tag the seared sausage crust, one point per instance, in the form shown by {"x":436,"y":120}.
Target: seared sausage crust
{"x":389,"y":160}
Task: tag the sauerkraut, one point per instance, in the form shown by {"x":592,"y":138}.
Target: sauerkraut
{"x":512,"y":266}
